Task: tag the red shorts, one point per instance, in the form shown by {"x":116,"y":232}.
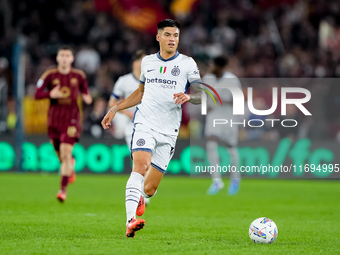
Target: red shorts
{"x":58,"y":135}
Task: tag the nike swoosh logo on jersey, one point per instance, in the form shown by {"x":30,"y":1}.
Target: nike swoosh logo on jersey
{"x":150,"y":70}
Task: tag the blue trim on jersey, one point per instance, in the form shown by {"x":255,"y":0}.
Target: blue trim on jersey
{"x":134,"y":115}
{"x":141,"y":149}
{"x":169,"y":59}
{"x":117,"y":97}
{"x":185,"y":91}
{"x":134,"y":77}
{"x":180,"y":123}
{"x":143,"y":82}
{"x":131,"y":141}
{"x":199,"y":80}
{"x":158,"y":168}
{"x":186,"y":87}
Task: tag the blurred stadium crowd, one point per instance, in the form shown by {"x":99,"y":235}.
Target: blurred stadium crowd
{"x":261,"y":39}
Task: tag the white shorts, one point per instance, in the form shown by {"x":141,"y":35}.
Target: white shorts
{"x":120,"y":121}
{"x":161,"y":146}
{"x":128,"y":133}
{"x":123,"y":127}
{"x":225,"y":132}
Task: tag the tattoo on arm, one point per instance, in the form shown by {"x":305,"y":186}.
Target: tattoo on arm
{"x":196,"y":98}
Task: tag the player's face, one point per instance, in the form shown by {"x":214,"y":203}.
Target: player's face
{"x":65,"y":58}
{"x":168,"y":39}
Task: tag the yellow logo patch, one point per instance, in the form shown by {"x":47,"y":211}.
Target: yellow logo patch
{"x":56,"y":82}
{"x":71,"y":131}
{"x":65,"y":91}
{"x":74,"y":81}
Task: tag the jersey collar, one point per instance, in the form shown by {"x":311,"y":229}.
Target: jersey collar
{"x":173,"y":57}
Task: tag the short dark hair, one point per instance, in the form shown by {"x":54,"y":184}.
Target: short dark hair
{"x":221,"y":61}
{"x":168,"y":23}
{"x":138,"y":55}
{"x":65,"y":47}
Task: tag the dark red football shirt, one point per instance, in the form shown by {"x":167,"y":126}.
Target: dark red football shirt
{"x":63,"y":112}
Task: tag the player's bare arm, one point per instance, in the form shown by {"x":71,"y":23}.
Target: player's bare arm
{"x":87,"y":98}
{"x":113,"y":102}
{"x":134,"y":99}
{"x":195,"y":98}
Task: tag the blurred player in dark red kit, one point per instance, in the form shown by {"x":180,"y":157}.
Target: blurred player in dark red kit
{"x":62,"y":85}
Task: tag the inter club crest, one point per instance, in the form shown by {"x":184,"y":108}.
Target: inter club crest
{"x":140,"y":142}
{"x":175,"y":71}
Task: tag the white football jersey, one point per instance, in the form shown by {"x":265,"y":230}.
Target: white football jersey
{"x":162,"y":78}
{"x":226,"y":133}
{"x":124,"y":87}
{"x":224,"y":93}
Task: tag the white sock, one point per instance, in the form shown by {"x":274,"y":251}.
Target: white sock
{"x":234,"y":161}
{"x":147,"y":201}
{"x":214,"y":159}
{"x":132,"y":194}
{"x":143,"y":192}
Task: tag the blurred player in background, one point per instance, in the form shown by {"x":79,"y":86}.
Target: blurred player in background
{"x":224,"y":135}
{"x":164,"y":81}
{"x":63,"y":85}
{"x":123,"y":88}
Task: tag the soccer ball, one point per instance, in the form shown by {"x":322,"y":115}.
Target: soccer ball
{"x":263,"y":230}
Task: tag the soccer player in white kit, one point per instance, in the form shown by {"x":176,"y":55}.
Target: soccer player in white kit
{"x":224,"y":135}
{"x":164,"y":81}
{"x":123,"y":88}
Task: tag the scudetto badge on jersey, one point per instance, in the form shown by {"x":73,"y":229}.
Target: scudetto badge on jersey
{"x":162,"y":69}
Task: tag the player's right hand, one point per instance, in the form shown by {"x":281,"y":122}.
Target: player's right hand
{"x":106,"y":122}
{"x":56,"y":93}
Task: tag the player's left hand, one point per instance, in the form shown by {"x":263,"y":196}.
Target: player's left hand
{"x":106,"y":122}
{"x":181,"y":98}
{"x":87,"y":98}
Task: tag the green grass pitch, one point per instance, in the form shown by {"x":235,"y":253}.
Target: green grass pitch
{"x":181,"y":218}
